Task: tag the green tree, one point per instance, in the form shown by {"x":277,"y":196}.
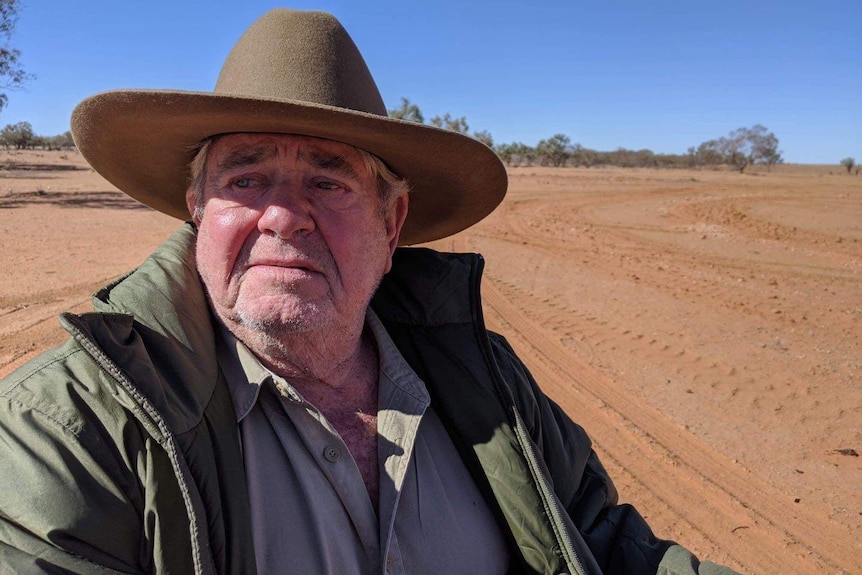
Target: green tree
{"x":19,"y":136}
{"x":525,"y":155}
{"x":12,"y":75}
{"x":555,"y":150}
{"x":746,"y":146}
{"x":709,"y":153}
{"x":581,"y":156}
{"x":407,"y":111}
{"x":516,"y":154}
{"x":447,"y":122}
{"x":848,"y":163}
{"x":62,"y":141}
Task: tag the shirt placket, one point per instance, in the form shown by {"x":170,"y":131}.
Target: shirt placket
{"x":400,"y":413}
{"x":333,"y":457}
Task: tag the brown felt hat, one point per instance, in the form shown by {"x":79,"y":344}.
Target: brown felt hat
{"x":292,"y":72}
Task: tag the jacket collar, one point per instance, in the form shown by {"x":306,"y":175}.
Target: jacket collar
{"x":429,"y":288}
{"x":168,"y":348}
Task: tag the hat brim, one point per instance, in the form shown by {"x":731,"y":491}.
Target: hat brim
{"x":143,"y":140}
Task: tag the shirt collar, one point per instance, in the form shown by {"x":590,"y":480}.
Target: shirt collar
{"x":246,"y":375}
{"x":393,"y":366}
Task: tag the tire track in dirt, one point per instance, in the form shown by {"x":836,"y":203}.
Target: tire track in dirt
{"x":586,"y":333}
{"x":755,"y":339}
{"x":29,"y":325}
{"x":699,"y":487}
{"x":709,"y":503}
{"x":627,"y":453}
{"x":739,"y":213}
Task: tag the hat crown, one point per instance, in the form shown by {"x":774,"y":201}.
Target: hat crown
{"x":300,"y":56}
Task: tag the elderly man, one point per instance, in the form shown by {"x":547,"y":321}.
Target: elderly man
{"x":278,"y":389}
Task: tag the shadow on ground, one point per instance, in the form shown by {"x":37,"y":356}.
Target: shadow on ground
{"x":12,"y":166}
{"x":108,"y":199}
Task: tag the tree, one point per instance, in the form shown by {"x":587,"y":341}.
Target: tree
{"x":12,"y":75}
{"x":746,"y":146}
{"x":516,"y":154}
{"x":18,"y":135}
{"x":763,"y":146}
{"x":583,"y":156}
{"x":484,"y":136}
{"x":407,"y":111}
{"x":62,"y":141}
{"x":773,"y":157}
{"x":709,"y":153}
{"x":449,"y":123}
{"x":848,"y":163}
{"x":555,"y":150}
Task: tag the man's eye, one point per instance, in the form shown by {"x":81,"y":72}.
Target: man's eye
{"x":247,"y":182}
{"x":326,"y":185}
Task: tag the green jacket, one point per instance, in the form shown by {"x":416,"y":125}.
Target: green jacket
{"x":119,"y":450}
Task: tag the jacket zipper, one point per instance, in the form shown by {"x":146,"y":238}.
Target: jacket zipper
{"x":552,"y":507}
{"x":551,"y":503}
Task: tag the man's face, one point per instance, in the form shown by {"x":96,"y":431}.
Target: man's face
{"x":292,"y":236}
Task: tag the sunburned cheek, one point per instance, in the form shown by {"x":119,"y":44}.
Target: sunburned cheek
{"x":226,"y":229}
{"x":220,"y":242}
{"x":230,"y":219}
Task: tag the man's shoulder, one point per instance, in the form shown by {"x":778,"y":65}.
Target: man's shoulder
{"x":69,"y":448}
{"x":46,"y":386}
{"x":60,"y":385}
{"x":47,"y":362}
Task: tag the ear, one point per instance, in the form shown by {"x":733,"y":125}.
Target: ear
{"x":394,"y":222}
{"x":191,"y":205}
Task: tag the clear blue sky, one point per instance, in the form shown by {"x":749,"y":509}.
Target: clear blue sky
{"x":663,"y":75}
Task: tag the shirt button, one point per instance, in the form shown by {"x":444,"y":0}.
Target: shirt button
{"x":332,"y":454}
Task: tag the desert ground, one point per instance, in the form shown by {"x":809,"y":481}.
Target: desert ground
{"x":703,"y":326}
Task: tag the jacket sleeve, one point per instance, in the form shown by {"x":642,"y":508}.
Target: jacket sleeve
{"x":69,"y":498}
{"x":620,"y":539}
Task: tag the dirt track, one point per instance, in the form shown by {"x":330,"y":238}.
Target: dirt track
{"x":704,"y":327}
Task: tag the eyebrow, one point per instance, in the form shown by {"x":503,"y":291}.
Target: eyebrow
{"x":329,"y":162}
{"x":246,"y":156}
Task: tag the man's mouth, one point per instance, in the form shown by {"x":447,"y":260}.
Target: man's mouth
{"x":287,"y":266}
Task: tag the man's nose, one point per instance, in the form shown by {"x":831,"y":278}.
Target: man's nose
{"x":288,"y":211}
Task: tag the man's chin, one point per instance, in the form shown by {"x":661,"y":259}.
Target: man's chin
{"x":284,"y":321}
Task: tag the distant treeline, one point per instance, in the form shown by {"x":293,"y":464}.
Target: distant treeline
{"x":739,"y":149}
{"x":745,"y":147}
{"x":20,"y":136}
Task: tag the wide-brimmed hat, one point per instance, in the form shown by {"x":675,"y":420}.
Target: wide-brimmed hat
{"x":292,"y":72}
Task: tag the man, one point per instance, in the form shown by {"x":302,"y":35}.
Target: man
{"x":278,"y":389}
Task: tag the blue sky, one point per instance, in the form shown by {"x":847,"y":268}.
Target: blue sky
{"x":663,"y":75}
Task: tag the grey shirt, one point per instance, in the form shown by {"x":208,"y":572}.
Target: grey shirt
{"x":310,"y":509}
